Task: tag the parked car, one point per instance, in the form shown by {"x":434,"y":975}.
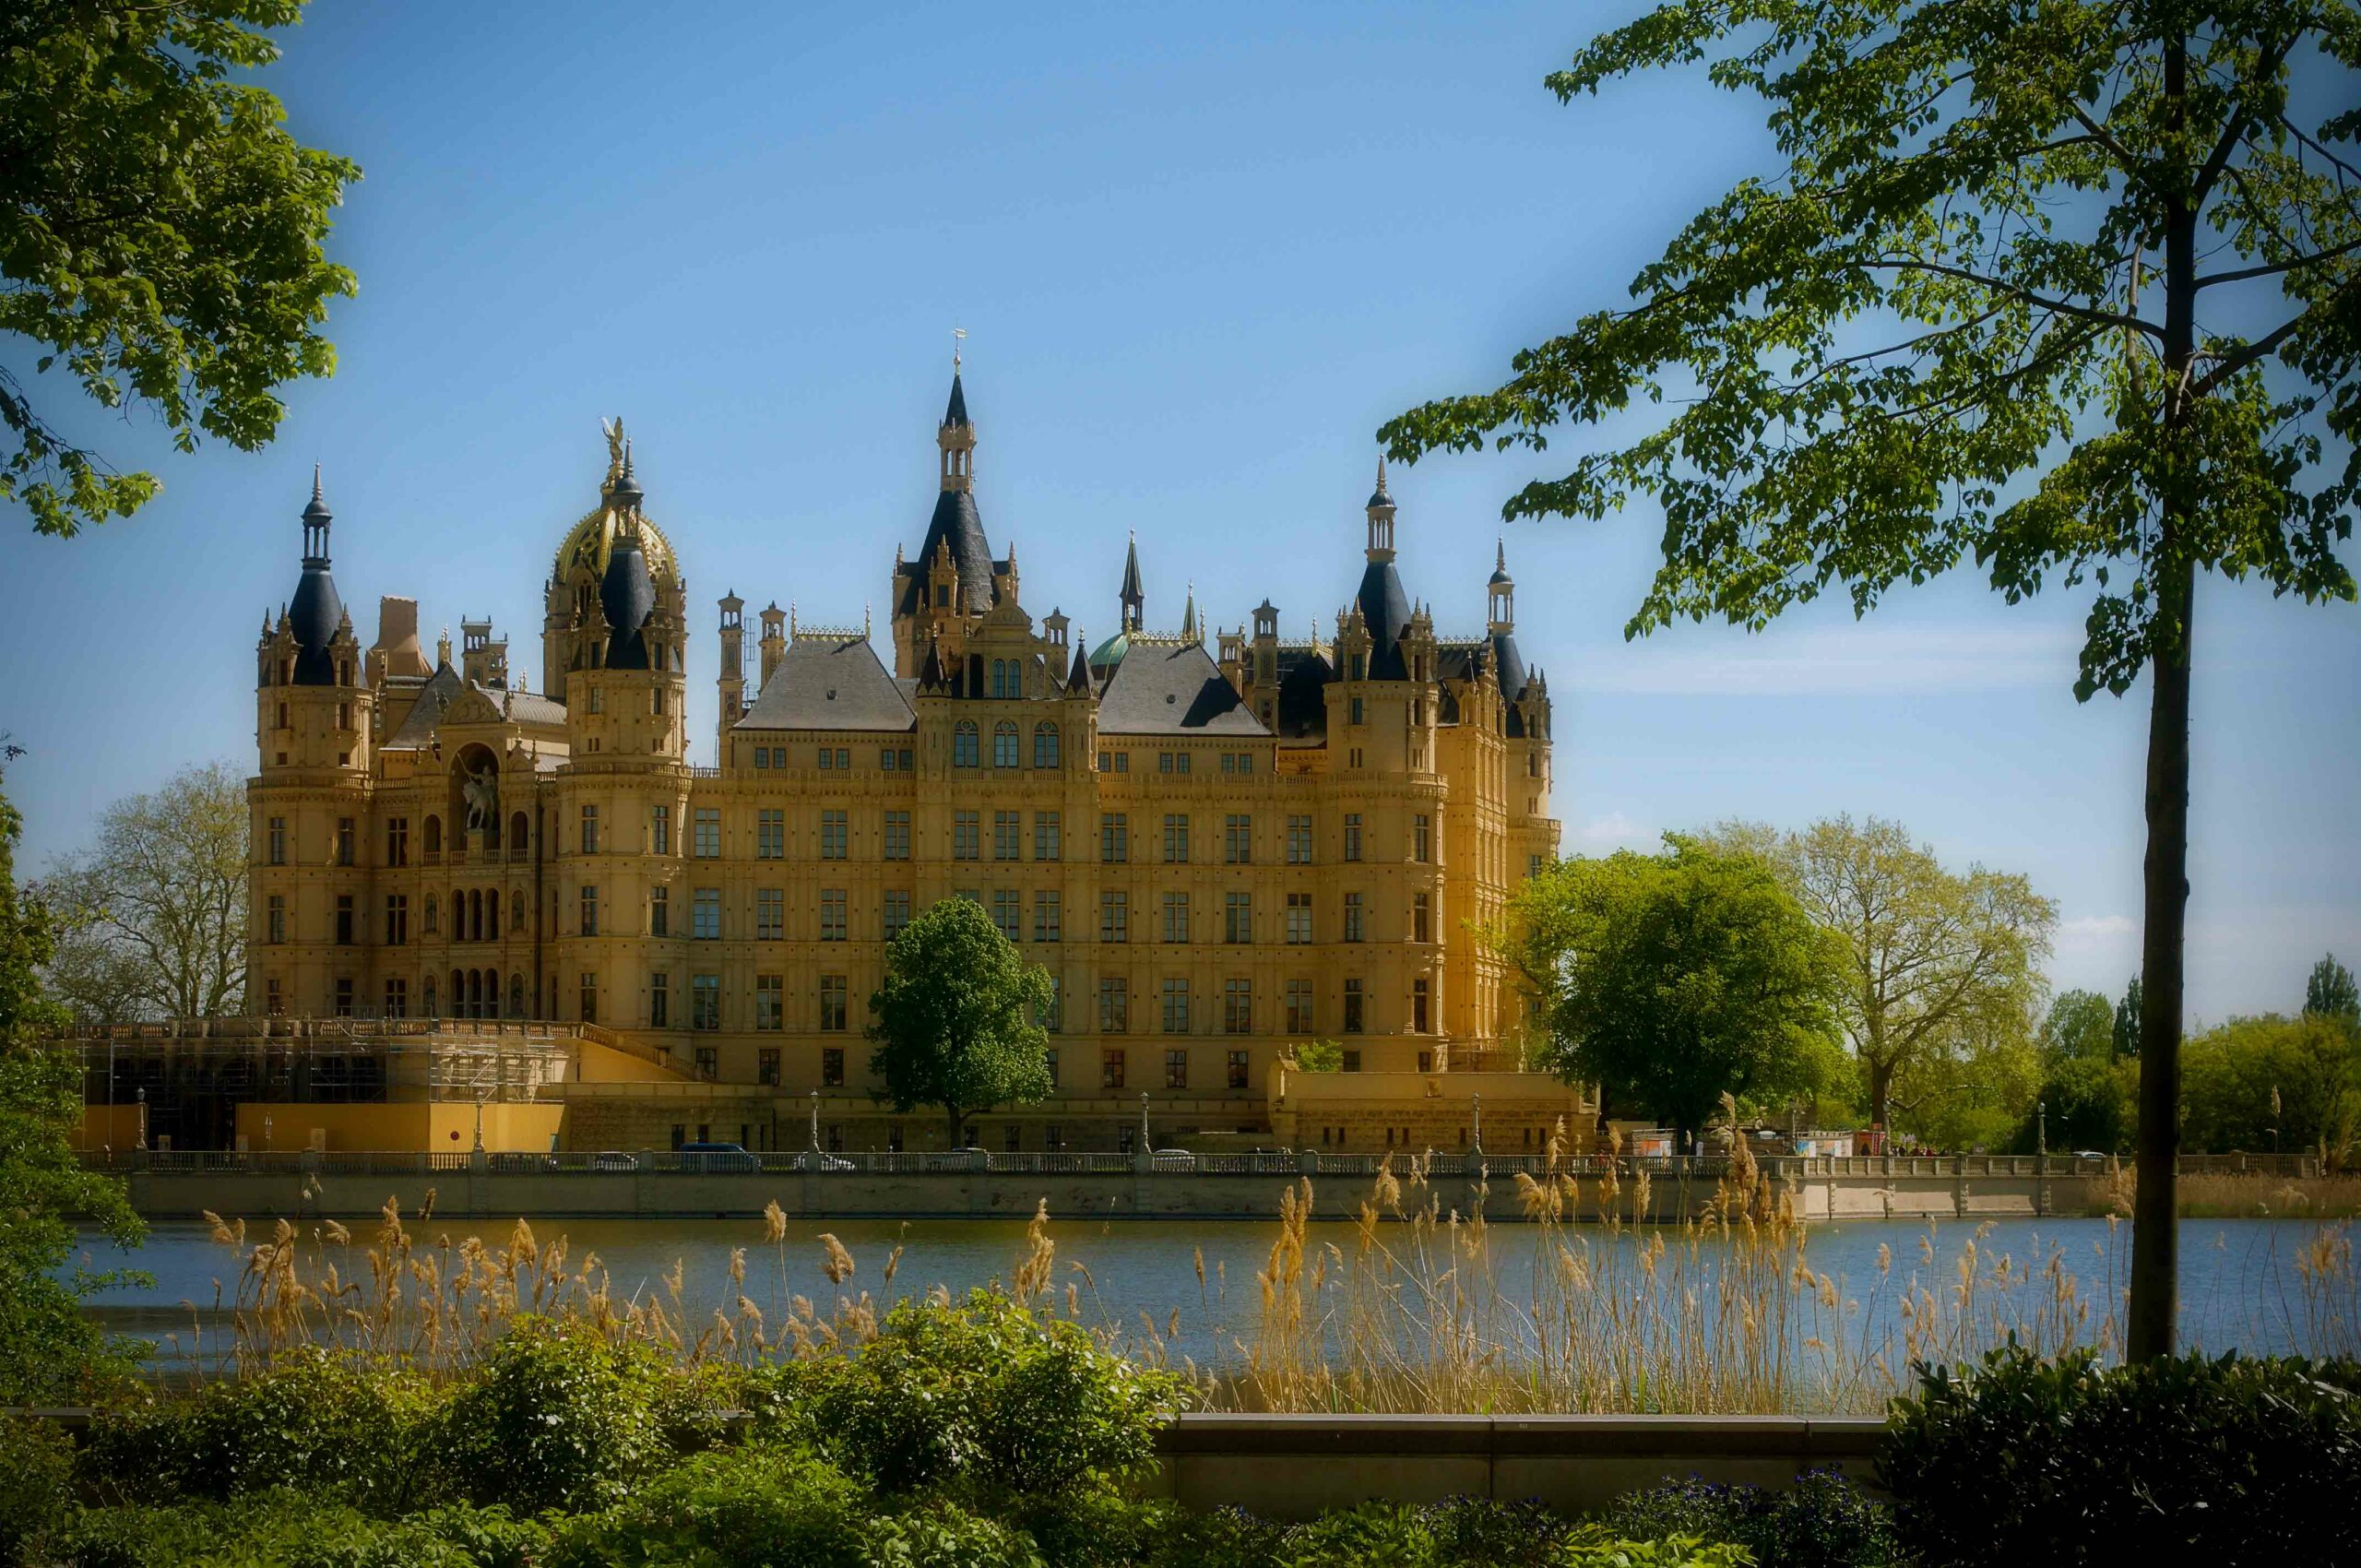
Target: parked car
{"x":613,"y":1159}
{"x":813,"y":1160}
{"x":514,"y":1162}
{"x":1175,"y":1159}
{"x":960,"y":1159}
{"x":717,"y":1156}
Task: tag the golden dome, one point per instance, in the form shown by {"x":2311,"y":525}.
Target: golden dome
{"x":589,"y":542}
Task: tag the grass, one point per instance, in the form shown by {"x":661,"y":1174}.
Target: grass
{"x":1724,"y":1313}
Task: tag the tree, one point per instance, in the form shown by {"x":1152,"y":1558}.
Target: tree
{"x":2331,"y":993}
{"x":2080,"y":1025}
{"x":2068,"y":290}
{"x":956,"y":1017}
{"x":49,"y":1350}
{"x":1671,"y":979}
{"x":2086,"y":1103}
{"x":2256,"y":1084}
{"x":2127,"y":1022}
{"x":1939,"y":963}
{"x":161,"y":902}
{"x":160,"y":232}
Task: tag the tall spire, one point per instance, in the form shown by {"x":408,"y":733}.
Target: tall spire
{"x":1381,"y":517}
{"x":955,"y":437}
{"x":1129,"y":596}
{"x":1189,"y":616}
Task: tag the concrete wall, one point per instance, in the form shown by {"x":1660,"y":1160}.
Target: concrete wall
{"x":964,"y":1194}
{"x":442,"y":1126}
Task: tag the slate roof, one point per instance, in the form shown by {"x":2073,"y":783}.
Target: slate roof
{"x":626,"y":596}
{"x":957,"y":413}
{"x":1303,"y":706}
{"x":441,"y":688}
{"x":1163,"y":689}
{"x":1386,"y":608}
{"x":312,"y":616}
{"x":956,"y":520}
{"x":831,"y":683}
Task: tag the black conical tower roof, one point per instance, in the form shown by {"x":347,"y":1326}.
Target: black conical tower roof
{"x":626,"y":596}
{"x":316,"y":611}
{"x":956,"y":412}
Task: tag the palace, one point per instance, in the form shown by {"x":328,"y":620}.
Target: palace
{"x":1219,"y":850}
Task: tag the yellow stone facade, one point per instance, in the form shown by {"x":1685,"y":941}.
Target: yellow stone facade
{"x":1219,"y":851}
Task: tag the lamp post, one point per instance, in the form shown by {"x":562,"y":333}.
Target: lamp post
{"x":143,"y":1118}
{"x":2040,"y":1157}
{"x":479,"y":1148}
{"x":1475,"y":1104}
{"x":815,"y":1120}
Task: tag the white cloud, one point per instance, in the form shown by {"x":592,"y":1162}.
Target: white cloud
{"x":1865,"y":659}
{"x":2090,"y":931}
{"x":1614,"y":831}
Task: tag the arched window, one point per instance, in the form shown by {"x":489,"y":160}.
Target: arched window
{"x":492,"y":993}
{"x":458,"y":995}
{"x":426,"y":995}
{"x":516,"y":832}
{"x":516,"y":910}
{"x":434,"y":835}
{"x":491,"y":916}
{"x":1045,"y":745}
{"x":516,"y":996}
{"x":963,"y":744}
{"x":475,"y":916}
{"x":430,"y":925}
{"x":1003,"y":744}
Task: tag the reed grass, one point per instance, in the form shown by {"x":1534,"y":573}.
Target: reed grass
{"x":1414,"y":1311}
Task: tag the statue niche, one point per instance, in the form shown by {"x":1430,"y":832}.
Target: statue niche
{"x":475,"y":779}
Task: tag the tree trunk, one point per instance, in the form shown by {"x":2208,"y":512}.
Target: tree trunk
{"x":2155,"y":1240}
{"x":956,"y":1142}
{"x":1882,"y":1096}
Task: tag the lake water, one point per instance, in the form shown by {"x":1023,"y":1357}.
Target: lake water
{"x":2239,"y":1286}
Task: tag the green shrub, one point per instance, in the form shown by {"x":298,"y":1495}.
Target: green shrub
{"x":1822,"y":1521}
{"x":764,"y":1508}
{"x":986,"y":1399}
{"x":292,"y":1529}
{"x":36,"y":1487}
{"x":553,"y":1418}
{"x":2184,"y":1459}
{"x":314,"y":1421}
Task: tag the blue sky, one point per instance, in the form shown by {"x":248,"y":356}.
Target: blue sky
{"x":1202,"y":253}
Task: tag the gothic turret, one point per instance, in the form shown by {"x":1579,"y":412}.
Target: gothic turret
{"x":315,"y":611}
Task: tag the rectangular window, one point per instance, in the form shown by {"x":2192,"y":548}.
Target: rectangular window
{"x":1047,"y":836}
{"x":1298,"y":919}
{"x":588,"y":925}
{"x":1176,"y":1006}
{"x":1238,"y":840}
{"x":836,"y":834}
{"x":1299,"y":841}
{"x":1352,"y":1064}
{"x":1353,"y":927}
{"x":770,"y":1005}
{"x":397,"y":919}
{"x":767,"y":1064}
{"x":1114,"y":1006}
{"x":588,"y":998}
{"x":1421,"y":839}
{"x":1007,"y":836}
{"x":1176,"y":839}
{"x":397,"y":841}
{"x":344,"y":996}
{"x":1533,"y":865}
{"x":709,"y":1059}
{"x":1237,"y":1065}
{"x":1176,"y":917}
{"x":897,"y":913}
{"x":278,"y":840}
{"x":1114,"y":917}
{"x":1299,"y":1006}
{"x":885,"y":759}
{"x":844,"y":759}
{"x":1111,"y":1070}
{"x":1049,"y":1065}
{"x":1237,"y":1006}
{"x":897,"y":836}
{"x":770,"y":834}
{"x":1176,"y":1068}
{"x":1421,"y":907}
{"x":1418,"y":995}
{"x":832,"y":1003}
{"x":832,"y":1066}
{"x":660,"y":911}
{"x":965,"y":836}
{"x":770,"y":914}
{"x":1046,"y":916}
{"x":1052,"y":1013}
{"x":1359,"y":713}
{"x":705,"y":1002}
{"x":1237,"y":919}
{"x":1114,"y":838}
{"x":704,"y":914}
{"x":659,"y":830}
{"x":660,"y":1001}
{"x":1354,"y":1018}
{"x":273,"y":1003}
{"x":397,"y":999}
{"x":589,"y":830}
{"x":1006,"y":913}
{"x":1352,"y":835}
{"x":344,"y":835}
{"x":832,"y":914}
{"x":828,"y":759}
{"x":708,"y":833}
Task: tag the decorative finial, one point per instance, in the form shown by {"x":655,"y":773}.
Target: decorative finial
{"x":958,"y":335}
{"x":613,"y":431}
{"x":316,"y":496}
{"x":1380,"y":474}
{"x":443,"y":648}
{"x":1501,"y":556}
{"x":864,"y":617}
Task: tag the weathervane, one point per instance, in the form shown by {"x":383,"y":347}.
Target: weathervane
{"x":958,"y":335}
